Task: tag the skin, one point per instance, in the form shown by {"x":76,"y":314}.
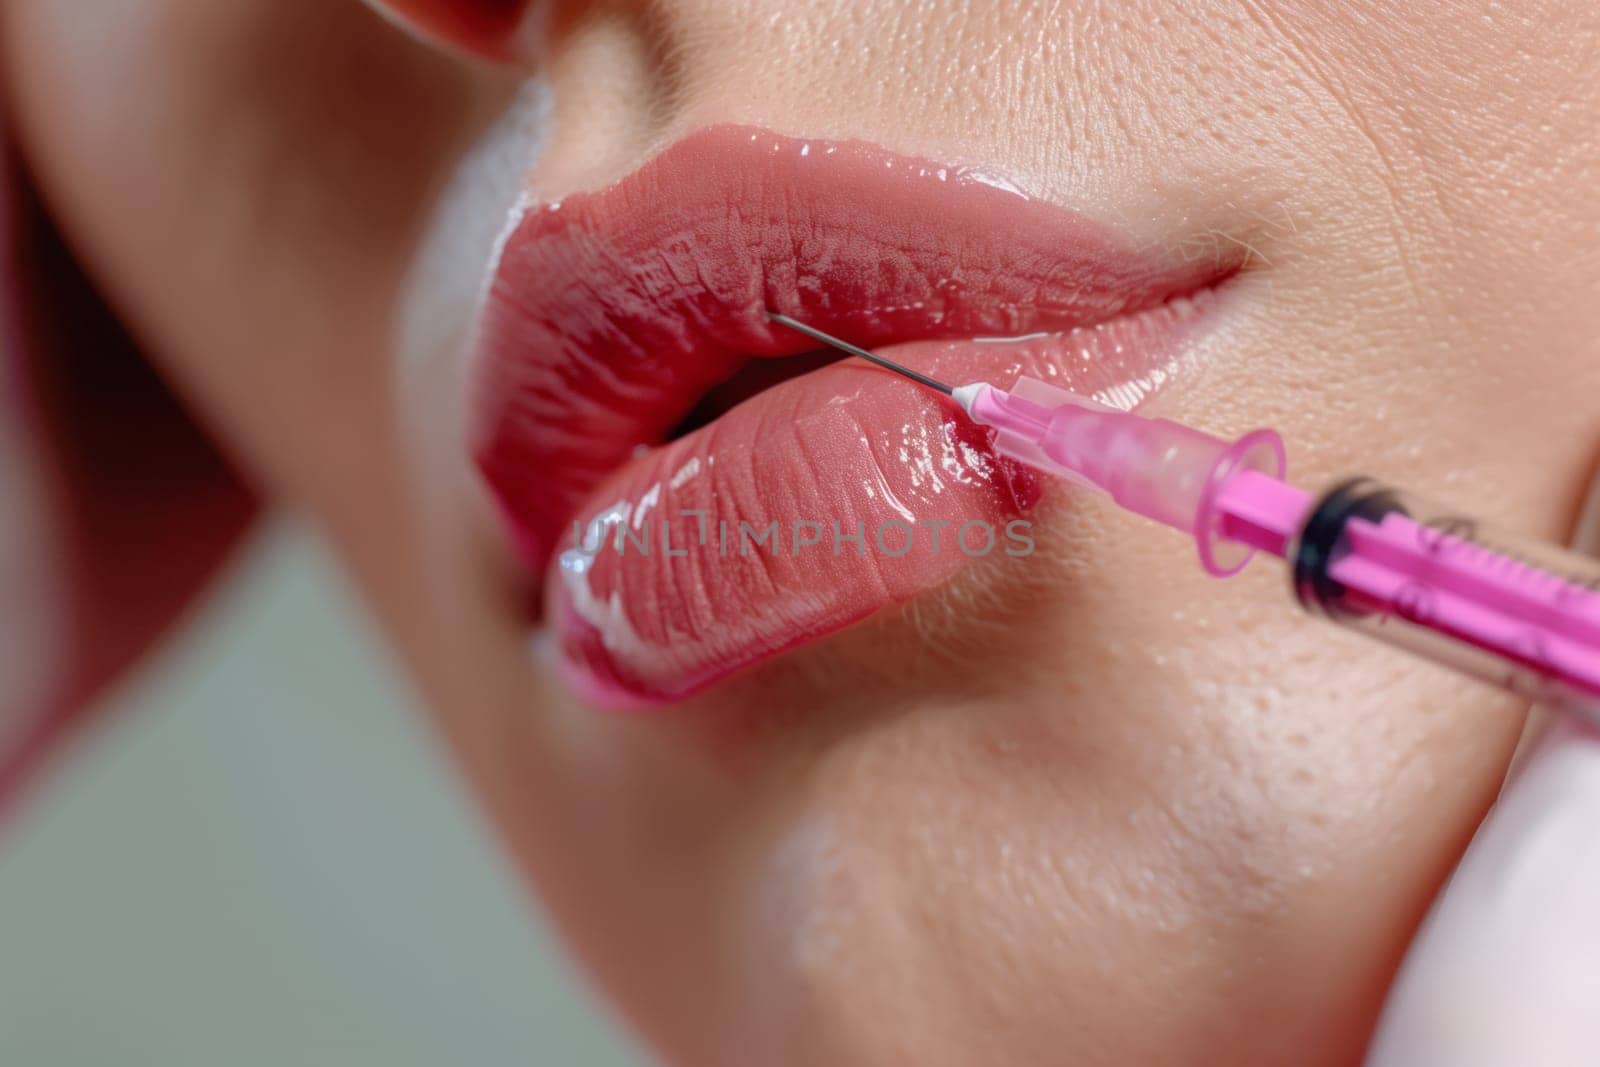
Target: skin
{"x":1132,"y":818}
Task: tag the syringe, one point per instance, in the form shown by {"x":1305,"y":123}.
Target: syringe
{"x":1512,"y":611}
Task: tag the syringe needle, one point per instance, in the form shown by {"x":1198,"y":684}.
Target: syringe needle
{"x":846,"y":346}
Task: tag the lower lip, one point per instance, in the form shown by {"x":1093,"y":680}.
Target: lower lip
{"x":664,"y":588}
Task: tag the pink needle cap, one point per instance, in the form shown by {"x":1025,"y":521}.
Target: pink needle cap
{"x":1163,"y":470}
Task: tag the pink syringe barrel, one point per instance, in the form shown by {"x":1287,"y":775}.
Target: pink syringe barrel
{"x":1157,"y":468}
{"x":1511,"y":610}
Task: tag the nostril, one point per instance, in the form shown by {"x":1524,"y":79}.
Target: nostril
{"x":482,"y":27}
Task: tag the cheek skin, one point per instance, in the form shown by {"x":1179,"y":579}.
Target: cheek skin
{"x":1120,"y":842}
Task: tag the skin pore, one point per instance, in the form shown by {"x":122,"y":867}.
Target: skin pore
{"x":1128,"y":814}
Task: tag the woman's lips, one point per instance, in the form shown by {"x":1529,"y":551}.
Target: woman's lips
{"x":613,"y":313}
{"x":809,"y":508}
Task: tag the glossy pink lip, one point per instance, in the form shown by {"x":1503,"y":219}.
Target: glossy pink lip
{"x":613,"y":313}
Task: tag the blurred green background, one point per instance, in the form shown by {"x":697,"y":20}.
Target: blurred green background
{"x":263,"y":860}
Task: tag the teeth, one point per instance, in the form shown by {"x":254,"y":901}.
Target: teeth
{"x":1186,"y":306}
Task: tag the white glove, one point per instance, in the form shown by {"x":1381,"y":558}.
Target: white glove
{"x":1506,"y":969}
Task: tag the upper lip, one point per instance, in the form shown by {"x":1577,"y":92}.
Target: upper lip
{"x":612,"y":313}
